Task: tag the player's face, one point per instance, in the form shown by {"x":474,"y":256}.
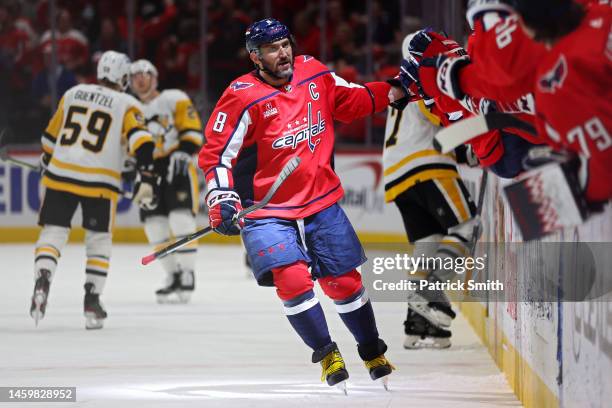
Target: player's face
{"x":141,"y":82}
{"x":277,"y":57}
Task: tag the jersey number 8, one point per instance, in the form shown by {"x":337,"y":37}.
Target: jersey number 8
{"x":98,"y":124}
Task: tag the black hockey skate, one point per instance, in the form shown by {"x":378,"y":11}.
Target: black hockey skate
{"x":420,"y":333}
{"x":433,"y":305}
{"x":94,"y":312}
{"x":178,"y":290}
{"x":375,"y":361}
{"x":334,"y":370}
{"x":40,"y":296}
{"x":187,"y":286}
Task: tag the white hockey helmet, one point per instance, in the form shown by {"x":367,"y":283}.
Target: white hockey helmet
{"x":114,"y":67}
{"x":143,"y":65}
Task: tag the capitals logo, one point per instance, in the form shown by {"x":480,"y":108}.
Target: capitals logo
{"x":553,"y":79}
{"x":302,"y":133}
{"x":236,"y":86}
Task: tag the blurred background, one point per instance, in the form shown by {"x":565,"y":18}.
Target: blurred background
{"x":48,"y":46}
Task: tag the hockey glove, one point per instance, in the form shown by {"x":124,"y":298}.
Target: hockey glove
{"x":146,"y":190}
{"x":223,"y":208}
{"x":447,"y":76}
{"x":179,"y":165}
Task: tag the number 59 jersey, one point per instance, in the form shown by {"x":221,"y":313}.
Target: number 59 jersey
{"x":88,"y":137}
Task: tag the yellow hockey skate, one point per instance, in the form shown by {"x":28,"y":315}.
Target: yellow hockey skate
{"x":379,"y":369}
{"x":333,"y":367}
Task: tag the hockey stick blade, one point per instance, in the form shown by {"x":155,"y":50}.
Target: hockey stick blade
{"x":283,"y":175}
{"x":465,"y":130}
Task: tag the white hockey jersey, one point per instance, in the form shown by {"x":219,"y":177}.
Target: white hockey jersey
{"x":88,"y":137}
{"x":409,"y":156}
{"x":171,"y":117}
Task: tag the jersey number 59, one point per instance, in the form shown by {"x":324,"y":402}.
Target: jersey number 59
{"x":97,"y":125}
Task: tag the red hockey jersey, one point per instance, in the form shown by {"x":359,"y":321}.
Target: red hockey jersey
{"x":573,"y":97}
{"x":256,"y":128}
{"x":504,"y":60}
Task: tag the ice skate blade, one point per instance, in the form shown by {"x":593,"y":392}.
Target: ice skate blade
{"x":184,"y":296}
{"x":415,"y":342}
{"x":342,"y":387}
{"x":385,"y":382}
{"x":36,"y":313}
{"x":92,"y":322}
{"x":173,"y":298}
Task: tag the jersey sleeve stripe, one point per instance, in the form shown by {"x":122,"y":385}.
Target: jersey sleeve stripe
{"x":48,"y":146}
{"x":138,"y":139}
{"x":233,"y":145}
{"x":48,"y":136}
{"x":371,"y":99}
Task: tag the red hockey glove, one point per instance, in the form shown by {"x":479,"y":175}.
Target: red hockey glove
{"x":223,"y":207}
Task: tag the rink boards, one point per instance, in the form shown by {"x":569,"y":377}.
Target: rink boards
{"x":554,"y":353}
{"x":361,"y":174}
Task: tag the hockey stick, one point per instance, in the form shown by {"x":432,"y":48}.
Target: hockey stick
{"x":447,"y":139}
{"x":285,"y":172}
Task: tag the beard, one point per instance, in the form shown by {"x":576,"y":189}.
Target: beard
{"x":283,"y":73}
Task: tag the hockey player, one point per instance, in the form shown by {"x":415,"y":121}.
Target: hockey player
{"x":282,"y":109}
{"x":175,"y":125}
{"x":435,"y":206}
{"x":574,"y":67}
{"x":83,"y":149}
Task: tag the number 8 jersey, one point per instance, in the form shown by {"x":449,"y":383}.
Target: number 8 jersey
{"x":88,"y":137}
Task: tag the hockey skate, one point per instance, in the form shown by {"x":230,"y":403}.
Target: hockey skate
{"x":94,"y":312}
{"x":433,"y":305}
{"x":334,"y":371}
{"x":40,"y":296}
{"x":379,"y":369}
{"x":171,"y":293}
{"x":420,"y":333}
{"x":187,"y":286}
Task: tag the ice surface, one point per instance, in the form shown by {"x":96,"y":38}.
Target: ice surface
{"x":231,"y":347}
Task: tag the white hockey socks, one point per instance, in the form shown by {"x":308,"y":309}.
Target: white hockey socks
{"x":98,"y":250}
{"x":51,"y":242}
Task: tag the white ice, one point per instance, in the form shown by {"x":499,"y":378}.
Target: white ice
{"x":230,"y":347}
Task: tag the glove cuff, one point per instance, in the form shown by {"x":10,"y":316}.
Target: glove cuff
{"x":215,"y":197}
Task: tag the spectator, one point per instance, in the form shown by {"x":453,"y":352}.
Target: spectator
{"x":41,"y":86}
{"x":72,"y":45}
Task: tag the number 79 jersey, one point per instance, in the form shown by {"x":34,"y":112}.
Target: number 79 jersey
{"x":88,"y":137}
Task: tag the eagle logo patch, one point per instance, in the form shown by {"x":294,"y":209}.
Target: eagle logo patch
{"x":236,"y":86}
{"x":553,"y":79}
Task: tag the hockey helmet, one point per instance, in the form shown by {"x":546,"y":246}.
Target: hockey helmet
{"x":264,"y":32}
{"x":114,"y":67}
{"x":143,"y":65}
